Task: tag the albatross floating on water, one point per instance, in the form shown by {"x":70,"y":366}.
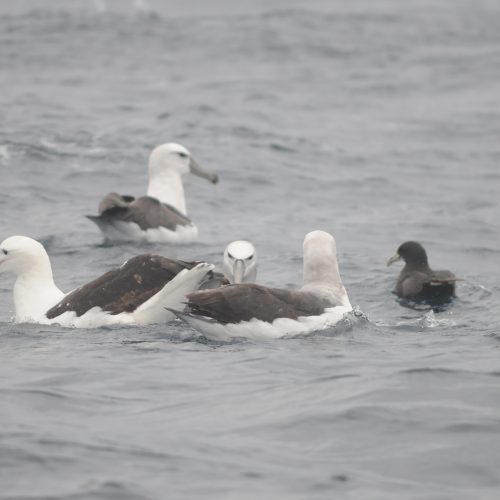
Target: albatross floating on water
{"x":417,"y":281}
{"x":239,"y":263}
{"x":136,"y":293}
{"x":258,"y":312}
{"x":161,"y":215}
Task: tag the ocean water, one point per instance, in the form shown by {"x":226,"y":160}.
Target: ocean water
{"x":376,"y":121}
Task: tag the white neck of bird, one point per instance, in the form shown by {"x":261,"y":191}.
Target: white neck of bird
{"x":167,"y":188}
{"x":35,"y":291}
{"x":326,"y":272}
{"x":325,"y":281}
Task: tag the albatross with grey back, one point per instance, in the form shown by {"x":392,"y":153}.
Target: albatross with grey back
{"x":417,"y":281}
{"x":161,"y":215}
{"x":139,"y":292}
{"x":258,"y":312}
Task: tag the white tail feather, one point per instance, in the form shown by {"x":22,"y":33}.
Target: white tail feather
{"x":172,"y":295}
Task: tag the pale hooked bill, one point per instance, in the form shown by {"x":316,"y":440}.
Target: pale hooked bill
{"x":161,"y":215}
{"x":239,"y":262}
{"x":258,"y":312}
{"x":139,"y":292}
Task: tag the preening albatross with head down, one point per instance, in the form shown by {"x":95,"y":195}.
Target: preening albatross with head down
{"x":258,"y":312}
{"x":139,"y":292}
{"x":161,"y":215}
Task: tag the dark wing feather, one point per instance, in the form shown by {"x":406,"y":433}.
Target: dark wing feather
{"x":214,"y":279}
{"x":146,"y":212}
{"x":242,"y":302}
{"x":123,"y":289}
{"x":114,"y":202}
{"x":439,"y":286}
{"x":426,"y":286}
{"x":442,"y":277}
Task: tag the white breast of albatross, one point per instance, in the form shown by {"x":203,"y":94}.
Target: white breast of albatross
{"x":34,"y":290}
{"x":167,"y":164}
{"x":321,"y":279}
{"x":35,"y":293}
{"x":126,"y":218}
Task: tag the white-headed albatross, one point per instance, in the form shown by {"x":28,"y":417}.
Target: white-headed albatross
{"x":161,"y":215}
{"x":136,"y":293}
{"x":258,"y":312}
{"x":239,"y":262}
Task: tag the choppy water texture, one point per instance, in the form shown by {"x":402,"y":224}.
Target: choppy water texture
{"x":377,"y":121}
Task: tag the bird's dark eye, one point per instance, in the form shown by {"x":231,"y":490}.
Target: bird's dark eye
{"x":182,"y":155}
{"x":4,"y":251}
{"x":229,"y":255}
{"x":250,"y":257}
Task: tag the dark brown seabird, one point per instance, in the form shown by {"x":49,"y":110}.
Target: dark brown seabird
{"x":417,"y":281}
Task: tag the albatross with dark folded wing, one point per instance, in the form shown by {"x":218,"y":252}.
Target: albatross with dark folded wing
{"x":139,"y":292}
{"x":161,"y":215}
{"x":258,"y":312}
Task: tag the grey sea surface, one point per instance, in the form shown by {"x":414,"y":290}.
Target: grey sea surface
{"x":378,"y":121}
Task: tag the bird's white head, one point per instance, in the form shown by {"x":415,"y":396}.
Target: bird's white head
{"x":320,"y":243}
{"x":240,"y":262}
{"x":34,"y":290}
{"x":167,"y":163}
{"x":21,"y":255}
{"x":169,"y":157}
{"x":172,"y":157}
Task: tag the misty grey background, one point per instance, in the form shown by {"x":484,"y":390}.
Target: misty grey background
{"x":376,"y":120}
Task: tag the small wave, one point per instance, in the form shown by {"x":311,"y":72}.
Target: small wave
{"x":429,"y":370}
{"x":4,"y":154}
{"x":442,"y":372}
{"x":65,"y":148}
{"x":354,"y":319}
{"x":473,"y":292}
{"x":429,"y":320}
{"x":329,"y":378}
{"x":426,"y":322}
{"x":491,"y":426}
{"x":281,"y":148}
{"x":48,"y":149}
{"x":112,"y":490}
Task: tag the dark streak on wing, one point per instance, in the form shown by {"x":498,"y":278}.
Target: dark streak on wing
{"x":426,"y":285}
{"x":146,"y":212}
{"x":214,"y":279}
{"x":123,"y":289}
{"x":242,"y":302}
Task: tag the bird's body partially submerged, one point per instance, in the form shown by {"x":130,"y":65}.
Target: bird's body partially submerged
{"x":139,"y":292}
{"x":254,"y":311}
{"x":125,"y":218}
{"x":161,"y":215}
{"x":417,"y":281}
